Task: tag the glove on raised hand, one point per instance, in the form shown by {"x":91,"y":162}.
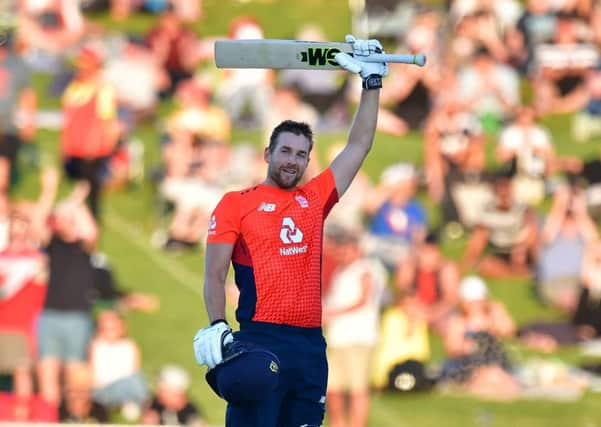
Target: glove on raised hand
{"x":210,"y":341}
{"x":371,"y":72}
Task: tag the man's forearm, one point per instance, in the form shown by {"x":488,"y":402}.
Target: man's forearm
{"x":366,"y":119}
{"x":214,"y":294}
{"x":217,"y":261}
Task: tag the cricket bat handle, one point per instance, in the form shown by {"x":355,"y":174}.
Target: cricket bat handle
{"x":418,"y":59}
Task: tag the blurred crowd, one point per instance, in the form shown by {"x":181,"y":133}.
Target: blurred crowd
{"x":491,"y":177}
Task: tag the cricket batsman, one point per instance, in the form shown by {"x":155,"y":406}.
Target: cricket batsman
{"x":273,"y":371}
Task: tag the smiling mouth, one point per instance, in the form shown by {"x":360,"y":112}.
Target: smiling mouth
{"x":288,"y":172}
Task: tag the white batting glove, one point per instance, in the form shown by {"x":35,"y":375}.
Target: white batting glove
{"x":209,"y":342}
{"x":371,"y":72}
{"x":364,"y":47}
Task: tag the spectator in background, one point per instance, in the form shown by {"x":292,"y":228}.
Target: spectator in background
{"x":588,"y":174}
{"x":286,"y":102}
{"x":187,"y":11}
{"x":477,"y":359}
{"x":90,"y":129}
{"x":537,"y":25}
{"x":404,"y":336}
{"x":4,"y":220}
{"x":595,"y":23}
{"x":115,"y":366}
{"x":588,"y":311}
{"x":584,"y":305}
{"x":170,"y":404}
{"x":138,"y":78}
{"x":197,"y":115}
{"x":490,"y":88}
{"x":65,"y":325}
{"x":455,"y":166}
{"x":432,"y":280}
{"x":567,"y":231}
{"x":505,"y":12}
{"x":351,"y":318}
{"x":473,"y":32}
{"x":176,"y":49}
{"x":528,"y":149}
{"x":349,"y":212}
{"x":477,"y":312}
{"x":17,"y":110}
{"x":19,"y":407}
{"x":121,"y":9}
{"x":503,"y":242}
{"x":77,"y":405}
{"x":398,"y":221}
{"x":518,"y":56}
{"x":193,"y":168}
{"x":47,"y":28}
{"x":22,"y":292}
{"x":451,"y":135}
{"x":586,"y":121}
{"x":408,"y":100}
{"x":246,"y":94}
{"x":561,"y":67}
{"x":323,"y":90}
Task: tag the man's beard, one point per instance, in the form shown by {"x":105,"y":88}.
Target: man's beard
{"x":275,"y":175}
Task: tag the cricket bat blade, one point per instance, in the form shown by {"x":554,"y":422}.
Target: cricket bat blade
{"x":293,"y":54}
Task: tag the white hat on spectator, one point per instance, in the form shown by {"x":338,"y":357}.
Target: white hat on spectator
{"x":398,"y":173}
{"x":472,"y":288}
{"x":174,"y":377}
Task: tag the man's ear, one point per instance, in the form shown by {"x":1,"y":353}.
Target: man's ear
{"x":266,"y":155}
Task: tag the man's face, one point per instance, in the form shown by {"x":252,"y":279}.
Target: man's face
{"x":403,"y":191}
{"x":288,"y":161}
{"x":526,"y":117}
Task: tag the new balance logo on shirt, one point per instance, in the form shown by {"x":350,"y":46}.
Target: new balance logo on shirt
{"x":266,"y":207}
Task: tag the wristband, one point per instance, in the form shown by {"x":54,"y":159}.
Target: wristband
{"x":214,"y":322}
{"x":373,"y":81}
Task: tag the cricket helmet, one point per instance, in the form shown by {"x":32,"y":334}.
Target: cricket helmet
{"x":247,"y":374}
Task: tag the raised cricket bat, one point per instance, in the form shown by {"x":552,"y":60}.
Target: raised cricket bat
{"x":294,"y":54}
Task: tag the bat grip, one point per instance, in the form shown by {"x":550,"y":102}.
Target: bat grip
{"x":418,"y":59}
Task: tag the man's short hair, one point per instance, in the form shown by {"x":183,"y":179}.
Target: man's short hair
{"x":297,"y":128}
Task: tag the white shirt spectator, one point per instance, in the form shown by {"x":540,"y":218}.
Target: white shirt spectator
{"x":486,"y":99}
{"x":359,"y":326}
{"x":566,"y":56}
{"x":113,"y":360}
{"x":526,"y":142}
{"x":135,"y":81}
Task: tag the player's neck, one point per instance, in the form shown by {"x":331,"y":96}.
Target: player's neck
{"x":268,"y":182}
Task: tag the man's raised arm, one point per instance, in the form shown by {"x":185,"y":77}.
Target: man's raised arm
{"x":346,"y":165}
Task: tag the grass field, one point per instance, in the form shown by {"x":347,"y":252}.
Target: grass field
{"x":165,"y":337}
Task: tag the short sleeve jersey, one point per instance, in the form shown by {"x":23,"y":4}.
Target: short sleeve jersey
{"x":277,"y":238}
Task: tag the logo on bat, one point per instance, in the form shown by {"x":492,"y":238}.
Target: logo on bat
{"x":318,"y":57}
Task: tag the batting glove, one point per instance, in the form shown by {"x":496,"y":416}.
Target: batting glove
{"x":371,"y":72}
{"x":364,"y":47}
{"x":209,"y":343}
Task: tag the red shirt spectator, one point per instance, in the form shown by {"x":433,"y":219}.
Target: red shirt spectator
{"x":26,"y":409}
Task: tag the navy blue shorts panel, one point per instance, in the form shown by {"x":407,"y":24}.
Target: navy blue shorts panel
{"x":300,"y":396}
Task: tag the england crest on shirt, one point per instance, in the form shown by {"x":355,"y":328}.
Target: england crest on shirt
{"x":212,"y":225}
{"x":304,"y":203}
